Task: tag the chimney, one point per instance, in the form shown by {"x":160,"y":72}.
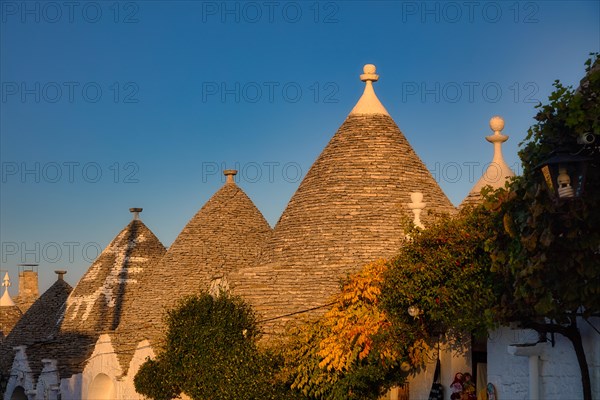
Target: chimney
{"x":136,"y":213}
{"x":61,"y":274}
{"x":28,"y":286}
{"x":230,"y":173}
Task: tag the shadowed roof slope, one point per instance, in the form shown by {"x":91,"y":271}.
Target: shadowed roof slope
{"x":347,"y":212}
{"x":226,"y":234}
{"x":110,"y":284}
{"x":107,"y":289}
{"x":38,"y":326}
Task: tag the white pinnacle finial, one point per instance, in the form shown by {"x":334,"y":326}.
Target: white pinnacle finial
{"x":497,"y":125}
{"x":5,"y":300}
{"x":369,"y":73}
{"x":497,"y":172}
{"x":368,"y":102}
{"x":417,"y":206}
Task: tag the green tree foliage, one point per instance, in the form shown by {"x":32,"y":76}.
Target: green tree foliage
{"x":443,"y":272}
{"x":155,"y":381}
{"x":302,"y":360}
{"x":210,"y":352}
{"x":547,"y":252}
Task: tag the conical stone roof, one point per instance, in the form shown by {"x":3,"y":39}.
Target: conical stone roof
{"x":227,"y":234}
{"x":108,"y":288}
{"x":347,"y":212}
{"x":38,"y":327}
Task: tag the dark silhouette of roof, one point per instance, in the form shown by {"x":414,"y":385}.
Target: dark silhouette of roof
{"x":38,"y":326}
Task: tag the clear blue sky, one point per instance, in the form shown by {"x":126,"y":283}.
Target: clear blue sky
{"x":108,"y":105}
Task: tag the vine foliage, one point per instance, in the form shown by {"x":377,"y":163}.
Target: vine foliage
{"x":547,"y":252}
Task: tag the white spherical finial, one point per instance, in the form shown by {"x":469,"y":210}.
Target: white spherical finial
{"x":497,"y":123}
{"x":369,"y":73}
{"x":369,"y":69}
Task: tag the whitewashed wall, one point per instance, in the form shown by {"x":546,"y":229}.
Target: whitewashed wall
{"x":559,"y":374}
{"x":20,"y":374}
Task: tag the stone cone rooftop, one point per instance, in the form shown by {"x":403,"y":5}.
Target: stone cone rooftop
{"x":108,"y":288}
{"x":37,"y":328}
{"x":225,"y":235}
{"x":347,"y":212}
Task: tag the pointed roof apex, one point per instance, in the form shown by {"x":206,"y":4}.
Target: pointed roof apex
{"x":230,"y":173}
{"x":368,"y":102}
{"x":5,"y":300}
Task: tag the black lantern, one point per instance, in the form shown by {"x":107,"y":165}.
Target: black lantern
{"x":565,"y":174}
